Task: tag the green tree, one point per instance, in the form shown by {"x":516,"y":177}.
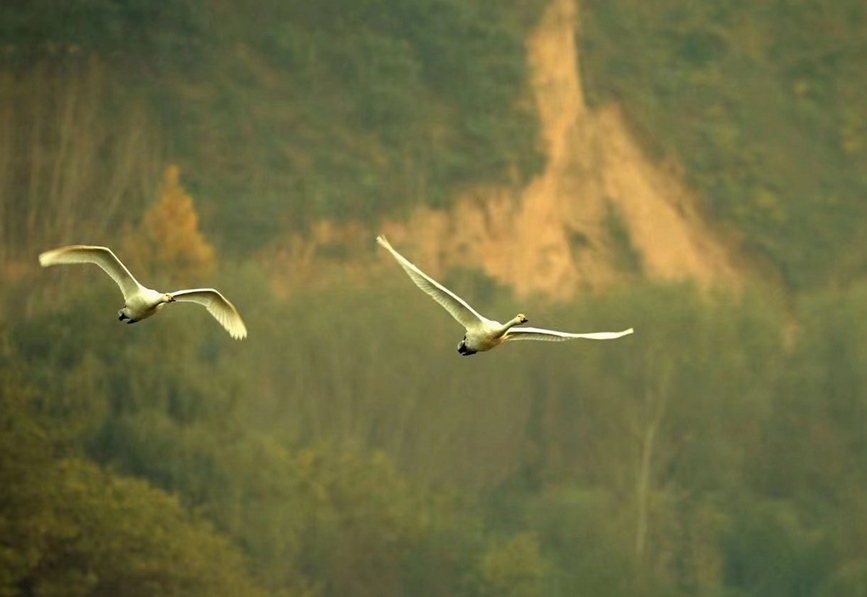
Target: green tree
{"x":662,"y":423}
{"x":514,"y":568}
{"x":70,"y":528}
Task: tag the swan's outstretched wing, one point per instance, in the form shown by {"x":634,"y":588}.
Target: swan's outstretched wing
{"x":101,"y":256}
{"x":454,"y":304}
{"x":518,"y":333}
{"x":217,"y":305}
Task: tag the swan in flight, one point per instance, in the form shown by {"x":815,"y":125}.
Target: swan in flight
{"x":483,"y":333}
{"x":141,"y":302}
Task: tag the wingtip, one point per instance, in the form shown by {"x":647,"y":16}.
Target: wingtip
{"x":382,"y":240}
{"x":47,"y":258}
{"x":233,"y":324}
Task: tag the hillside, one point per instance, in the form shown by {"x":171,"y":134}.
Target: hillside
{"x":608,"y":144}
{"x":712,"y":142}
{"x":600,"y":212}
{"x":277,"y":118}
{"x":761,"y":107}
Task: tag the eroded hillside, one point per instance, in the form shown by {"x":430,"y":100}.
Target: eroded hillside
{"x":600,"y":212}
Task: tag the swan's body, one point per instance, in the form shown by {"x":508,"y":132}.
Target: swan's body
{"x":141,"y":302}
{"x":482,"y":333}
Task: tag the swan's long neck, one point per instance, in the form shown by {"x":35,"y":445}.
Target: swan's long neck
{"x":503,"y":328}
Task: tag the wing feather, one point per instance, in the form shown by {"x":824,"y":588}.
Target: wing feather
{"x":217,"y":305}
{"x":101,"y":256}
{"x":455,"y":305}
{"x":528,"y":333}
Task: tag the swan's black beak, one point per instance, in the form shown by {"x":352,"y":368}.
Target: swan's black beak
{"x":464,"y":351}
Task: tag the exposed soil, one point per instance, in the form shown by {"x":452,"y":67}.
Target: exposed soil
{"x":600,"y":214}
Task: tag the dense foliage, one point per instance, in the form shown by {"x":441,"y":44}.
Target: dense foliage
{"x":72,"y":528}
{"x":343,"y":457}
{"x":763,"y":104}
{"x":298,"y":110}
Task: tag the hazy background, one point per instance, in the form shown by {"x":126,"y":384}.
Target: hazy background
{"x":694,"y":169}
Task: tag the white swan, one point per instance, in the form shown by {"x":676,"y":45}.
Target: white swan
{"x":141,"y":302}
{"x":483,"y":333}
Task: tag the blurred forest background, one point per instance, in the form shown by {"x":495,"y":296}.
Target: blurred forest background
{"x":344,"y":449}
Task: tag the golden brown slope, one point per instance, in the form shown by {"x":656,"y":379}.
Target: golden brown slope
{"x":600,"y":211}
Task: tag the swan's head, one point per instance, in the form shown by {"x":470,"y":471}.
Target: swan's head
{"x":465,"y":350}
{"x":164,"y":300}
{"x":521,"y":318}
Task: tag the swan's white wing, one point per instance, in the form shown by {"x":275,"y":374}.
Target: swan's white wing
{"x":454,"y":304}
{"x":217,"y":305}
{"x":518,"y":333}
{"x":101,"y":256}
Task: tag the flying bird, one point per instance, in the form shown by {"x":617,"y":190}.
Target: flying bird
{"x":483,"y":333}
{"x":141,"y":302}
